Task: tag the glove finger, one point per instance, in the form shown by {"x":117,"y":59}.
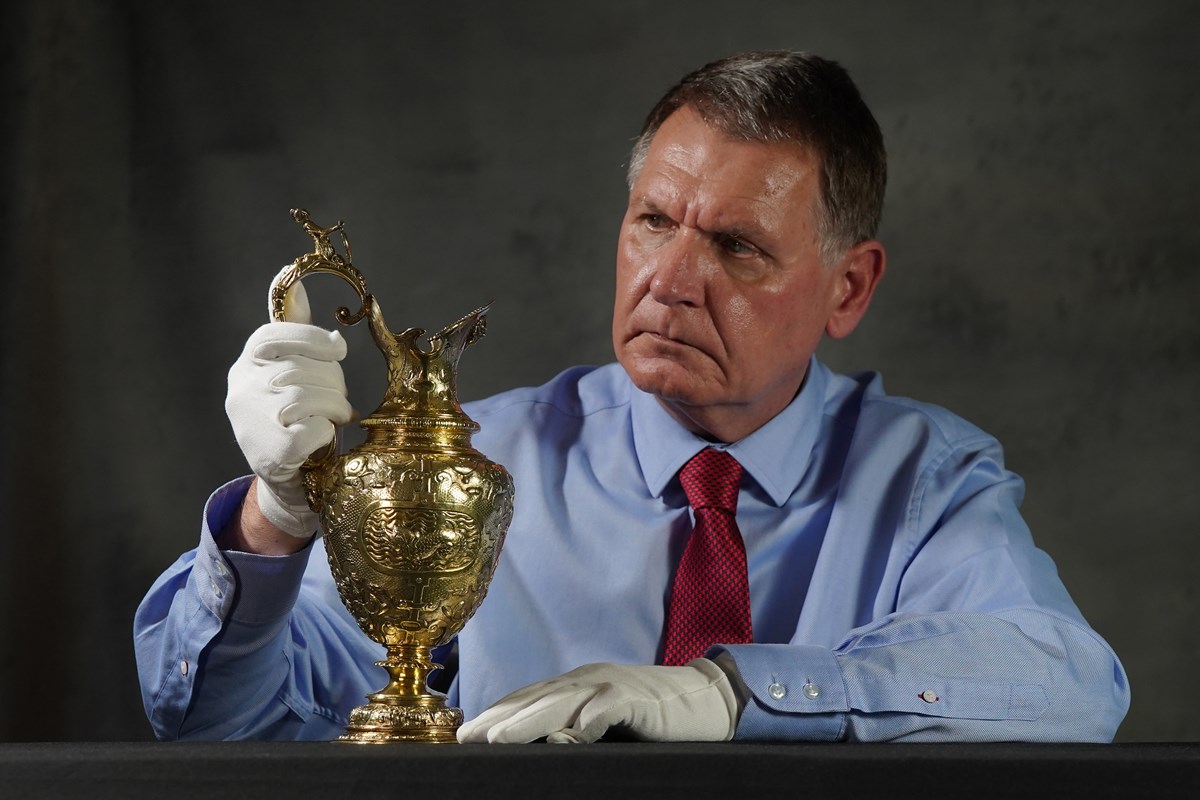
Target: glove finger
{"x":581,"y":679}
{"x":278,"y":339}
{"x":513,"y":702}
{"x":302,"y":371}
{"x":555,"y":712}
{"x":476,"y":730}
{"x":479,"y":729}
{"x":324,"y":405}
{"x":295,"y":302}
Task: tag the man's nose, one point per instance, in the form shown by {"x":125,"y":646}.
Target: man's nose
{"x":679,"y":270}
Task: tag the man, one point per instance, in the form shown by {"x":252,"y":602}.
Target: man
{"x":865,"y":576}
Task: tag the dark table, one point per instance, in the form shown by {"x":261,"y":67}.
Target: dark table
{"x":614,"y":771}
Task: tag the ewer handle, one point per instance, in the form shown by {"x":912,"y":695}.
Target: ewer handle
{"x":323,"y":258}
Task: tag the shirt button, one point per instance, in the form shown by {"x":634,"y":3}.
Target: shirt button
{"x":811,"y":691}
{"x":929,"y":696}
{"x":776,"y":691}
{"x":183,"y":668}
{"x":216,"y":589}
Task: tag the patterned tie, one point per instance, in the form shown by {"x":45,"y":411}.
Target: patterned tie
{"x":710,"y":598}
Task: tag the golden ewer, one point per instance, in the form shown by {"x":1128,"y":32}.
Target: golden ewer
{"x":414,"y":517}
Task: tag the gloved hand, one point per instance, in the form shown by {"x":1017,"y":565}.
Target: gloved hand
{"x":692,"y":703}
{"x":286,"y":394}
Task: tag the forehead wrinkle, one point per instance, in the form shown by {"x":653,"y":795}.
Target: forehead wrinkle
{"x":740,"y":215}
{"x":659,"y":191}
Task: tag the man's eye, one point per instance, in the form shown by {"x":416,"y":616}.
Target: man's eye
{"x":655,"y":222}
{"x":737,"y":247}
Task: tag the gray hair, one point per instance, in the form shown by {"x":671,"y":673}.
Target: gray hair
{"x":786,"y":96}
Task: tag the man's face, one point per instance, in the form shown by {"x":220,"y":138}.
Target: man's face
{"x":722,"y":296}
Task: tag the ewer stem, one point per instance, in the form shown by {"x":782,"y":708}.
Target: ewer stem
{"x":408,"y":667}
{"x":405,"y":710}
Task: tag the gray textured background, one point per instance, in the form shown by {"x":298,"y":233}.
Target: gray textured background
{"x":1040,"y":224}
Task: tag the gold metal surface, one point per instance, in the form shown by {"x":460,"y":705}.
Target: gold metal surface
{"x":414,"y":517}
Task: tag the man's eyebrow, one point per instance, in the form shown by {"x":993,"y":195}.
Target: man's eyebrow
{"x":742,"y":230}
{"x":739,"y":231}
{"x":647,"y":203}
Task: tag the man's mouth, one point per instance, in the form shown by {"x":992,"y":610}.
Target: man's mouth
{"x":665,"y":341}
{"x":655,"y":336}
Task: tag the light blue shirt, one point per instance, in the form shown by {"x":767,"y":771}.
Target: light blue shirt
{"x":896,"y":593}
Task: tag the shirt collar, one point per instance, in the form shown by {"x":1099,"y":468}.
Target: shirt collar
{"x":776,"y":455}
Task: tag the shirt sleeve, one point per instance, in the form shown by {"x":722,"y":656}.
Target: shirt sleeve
{"x":981,"y":641}
{"x":234,"y":645}
{"x":938,"y":677}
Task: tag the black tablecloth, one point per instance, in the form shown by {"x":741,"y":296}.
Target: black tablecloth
{"x":619,"y":771}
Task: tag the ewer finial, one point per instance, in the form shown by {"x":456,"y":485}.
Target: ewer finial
{"x":320,"y":235}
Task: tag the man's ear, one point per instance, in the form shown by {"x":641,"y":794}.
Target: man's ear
{"x":858,"y":273}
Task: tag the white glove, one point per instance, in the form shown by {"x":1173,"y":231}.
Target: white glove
{"x":692,"y":703}
{"x":286,"y":394}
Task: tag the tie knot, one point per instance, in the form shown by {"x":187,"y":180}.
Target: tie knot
{"x":711,"y":480}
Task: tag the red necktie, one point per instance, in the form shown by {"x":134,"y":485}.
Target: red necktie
{"x":710,"y":598}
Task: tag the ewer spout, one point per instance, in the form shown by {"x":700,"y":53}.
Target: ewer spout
{"x":423,"y":382}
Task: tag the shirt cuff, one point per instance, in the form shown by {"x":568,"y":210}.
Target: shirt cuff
{"x":243,"y":587}
{"x":796,"y":692}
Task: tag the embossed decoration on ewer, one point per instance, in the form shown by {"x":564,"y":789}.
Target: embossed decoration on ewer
{"x":414,"y":517}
